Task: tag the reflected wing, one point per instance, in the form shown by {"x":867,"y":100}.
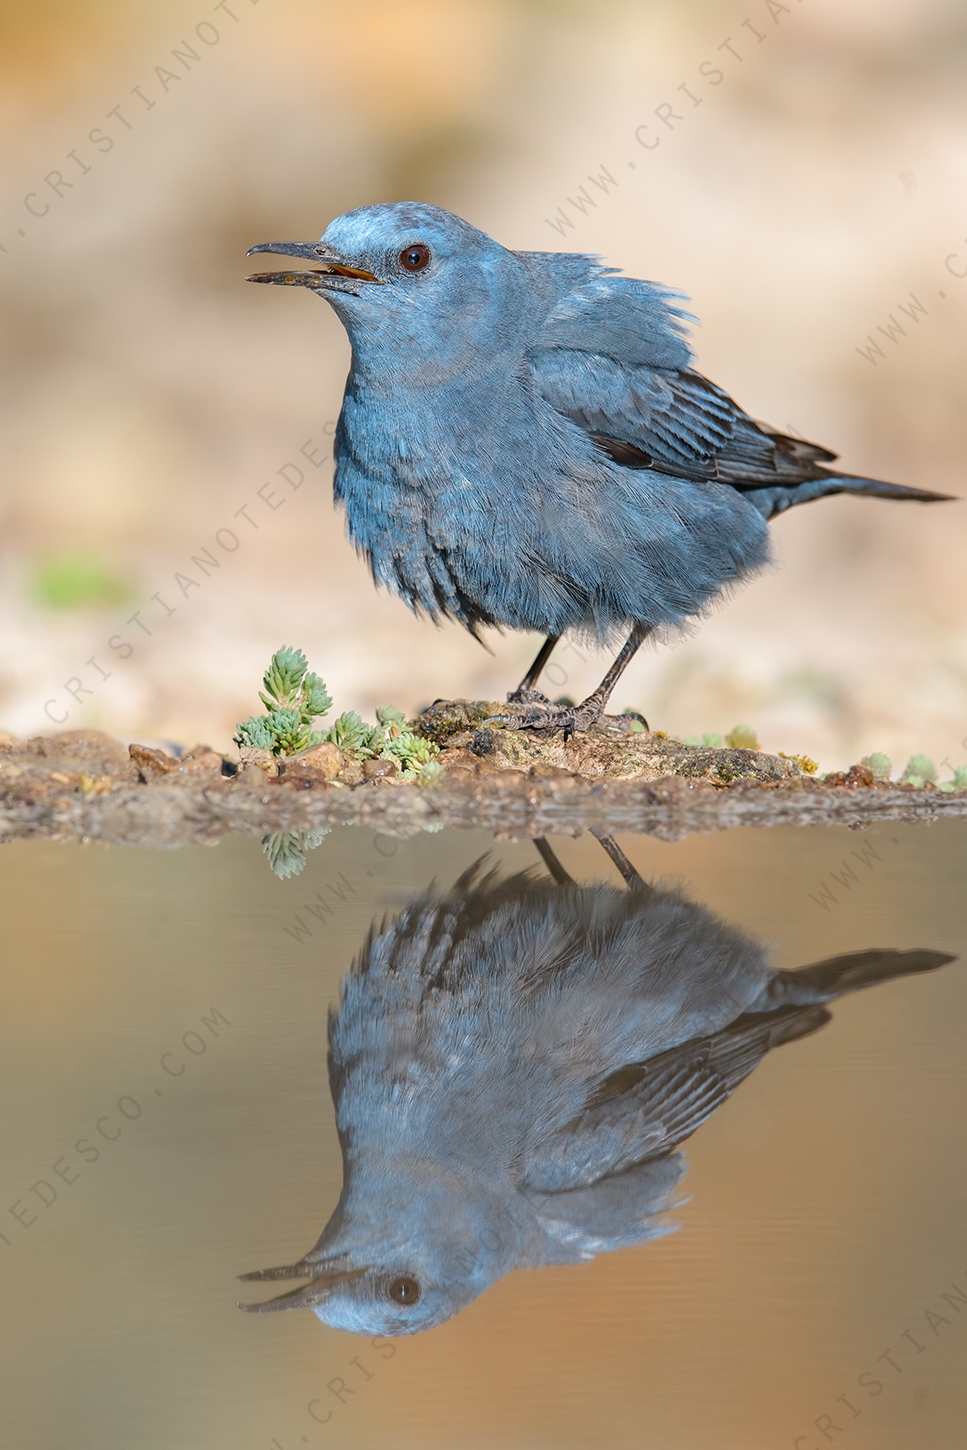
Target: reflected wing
{"x":612,"y":1213}
{"x":645,"y":1110}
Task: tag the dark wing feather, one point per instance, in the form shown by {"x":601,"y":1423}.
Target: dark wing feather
{"x":673,"y":420}
{"x":645,"y":1110}
{"x":612,"y":355}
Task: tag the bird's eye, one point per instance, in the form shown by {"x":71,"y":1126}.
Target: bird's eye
{"x":404,"y":1291}
{"x":414,"y":259}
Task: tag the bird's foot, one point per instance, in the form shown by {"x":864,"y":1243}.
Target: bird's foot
{"x":551,"y":719}
{"x":527,"y":697}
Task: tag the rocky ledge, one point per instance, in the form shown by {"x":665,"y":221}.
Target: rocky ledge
{"x":84,"y":784}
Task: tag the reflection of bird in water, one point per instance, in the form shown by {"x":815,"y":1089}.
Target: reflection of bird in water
{"x":514,"y":1064}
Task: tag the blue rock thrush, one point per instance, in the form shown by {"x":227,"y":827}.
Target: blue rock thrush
{"x":524,"y":443}
{"x":513,"y":1065}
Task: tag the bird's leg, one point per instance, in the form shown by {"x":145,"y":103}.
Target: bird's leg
{"x":526,"y":694}
{"x":571,"y":718}
{"x":593,"y":706}
{"x":553,"y":865}
{"x":633,"y":880}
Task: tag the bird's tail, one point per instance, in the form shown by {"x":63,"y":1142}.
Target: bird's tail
{"x":879,"y":488}
{"x":779,"y":497}
{"x":836,"y":976}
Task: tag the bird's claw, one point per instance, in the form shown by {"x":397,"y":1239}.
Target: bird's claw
{"x":527,"y":697}
{"x":548,"y":718}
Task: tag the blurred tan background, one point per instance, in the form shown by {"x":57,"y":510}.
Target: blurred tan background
{"x":804,"y":185}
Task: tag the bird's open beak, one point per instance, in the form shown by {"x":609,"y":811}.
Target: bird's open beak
{"x":335,"y":275}
{"x":323,"y":1278}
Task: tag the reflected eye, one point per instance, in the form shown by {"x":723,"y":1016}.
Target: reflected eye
{"x":404,"y":1291}
{"x":414,"y":259}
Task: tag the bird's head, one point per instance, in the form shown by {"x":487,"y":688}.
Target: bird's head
{"x":401,"y":1256}
{"x":413,"y":285}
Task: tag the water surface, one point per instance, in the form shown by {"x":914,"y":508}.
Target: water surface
{"x":169,"y":1126}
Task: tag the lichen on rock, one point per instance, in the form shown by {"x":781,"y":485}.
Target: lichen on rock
{"x":612,"y":749}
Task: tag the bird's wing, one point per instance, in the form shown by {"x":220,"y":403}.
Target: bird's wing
{"x":597,"y":311}
{"x":612,"y":1213}
{"x":644,"y":1110}
{"x":613,"y":357}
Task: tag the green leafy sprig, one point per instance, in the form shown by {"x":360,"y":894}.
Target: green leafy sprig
{"x":293,"y":697}
{"x":286,"y":851}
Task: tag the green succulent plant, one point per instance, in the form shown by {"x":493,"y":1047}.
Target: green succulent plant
{"x":350,"y":732}
{"x":293,"y":698}
{"x":742,"y":737}
{"x":286,"y":851}
{"x":411,"y":752}
{"x":918,"y":770}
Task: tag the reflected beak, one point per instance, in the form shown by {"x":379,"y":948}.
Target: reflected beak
{"x":322,"y":1280}
{"x":335,"y":275}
